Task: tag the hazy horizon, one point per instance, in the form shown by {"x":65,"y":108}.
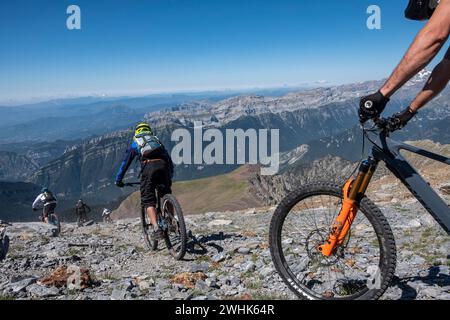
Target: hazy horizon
{"x":151,"y":47}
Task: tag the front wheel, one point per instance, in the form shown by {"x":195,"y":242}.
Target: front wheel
{"x":175,"y":234}
{"x":361,"y":268}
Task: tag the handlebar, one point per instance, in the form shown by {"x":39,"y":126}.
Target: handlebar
{"x":381,"y":124}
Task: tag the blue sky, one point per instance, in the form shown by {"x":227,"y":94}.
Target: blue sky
{"x":140,"y":46}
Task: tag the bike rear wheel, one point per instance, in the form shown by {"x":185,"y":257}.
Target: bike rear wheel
{"x":175,"y":234}
{"x":363,"y":266}
{"x":52,"y":219}
{"x":147,"y":231}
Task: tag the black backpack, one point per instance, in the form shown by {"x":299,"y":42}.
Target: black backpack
{"x":420,"y":9}
{"x":48,"y":197}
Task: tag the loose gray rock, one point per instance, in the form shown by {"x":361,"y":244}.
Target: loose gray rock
{"x":199,"y":268}
{"x":21,"y":284}
{"x":233,"y":282}
{"x":118,"y":294}
{"x":249,"y":267}
{"x":211,"y":283}
{"x":267,"y":271}
{"x":219,"y":257}
{"x":243,"y":250}
{"x":220,"y":222}
{"x":144,"y":285}
{"x":39,"y":291}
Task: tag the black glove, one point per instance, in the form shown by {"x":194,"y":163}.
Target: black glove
{"x":120,"y":184}
{"x":372,"y":106}
{"x":399,"y":120}
{"x":34,"y":209}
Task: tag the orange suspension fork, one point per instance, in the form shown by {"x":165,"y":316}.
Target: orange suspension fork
{"x":353,"y":191}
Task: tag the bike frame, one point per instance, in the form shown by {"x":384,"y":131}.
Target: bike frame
{"x":387,"y":150}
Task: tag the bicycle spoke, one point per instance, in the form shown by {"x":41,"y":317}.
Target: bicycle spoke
{"x":306,"y":227}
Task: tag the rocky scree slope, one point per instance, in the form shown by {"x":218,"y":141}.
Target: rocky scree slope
{"x":228,"y":258}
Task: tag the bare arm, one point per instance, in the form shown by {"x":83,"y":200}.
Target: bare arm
{"x":435,"y":84}
{"x":425,"y":47}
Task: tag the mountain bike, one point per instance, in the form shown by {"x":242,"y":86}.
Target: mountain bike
{"x":52,"y":219}
{"x":107,"y":219}
{"x":4,"y":239}
{"x":332,"y":242}
{"x":171,"y":221}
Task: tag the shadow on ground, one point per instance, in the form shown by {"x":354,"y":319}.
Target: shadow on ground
{"x":434,"y":277}
{"x":199,"y":246}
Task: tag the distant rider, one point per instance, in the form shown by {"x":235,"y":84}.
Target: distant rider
{"x":156,"y":169}
{"x":425,"y":47}
{"x":82,"y":209}
{"x":47,"y":201}
{"x":106,"y":215}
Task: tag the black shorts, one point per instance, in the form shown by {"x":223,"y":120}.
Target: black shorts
{"x":154,"y":173}
{"x":49,"y":209}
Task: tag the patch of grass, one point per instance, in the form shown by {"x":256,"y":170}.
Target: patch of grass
{"x":399,"y":208}
{"x":432,"y":260}
{"x":45,"y":240}
{"x":248,"y":274}
{"x":253,"y":284}
{"x":219,"y":193}
{"x":6,"y":298}
{"x":196,"y":293}
{"x":260,"y":295}
{"x":15,"y":251}
{"x":109,"y":276}
{"x":204,"y":258}
{"x":73,"y":251}
{"x":428,"y":232}
{"x":141,"y":249}
{"x":166,"y":275}
{"x":407,"y":233}
{"x":97,"y":231}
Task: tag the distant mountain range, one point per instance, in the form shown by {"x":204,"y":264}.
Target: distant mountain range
{"x":86,"y":117}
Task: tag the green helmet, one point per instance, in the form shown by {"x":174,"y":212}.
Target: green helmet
{"x":142,"y":127}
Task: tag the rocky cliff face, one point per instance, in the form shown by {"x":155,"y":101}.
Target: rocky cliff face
{"x":16,"y":199}
{"x":39,"y":153}
{"x":86,"y":170}
{"x":272,"y":189}
{"x":15,"y":167}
